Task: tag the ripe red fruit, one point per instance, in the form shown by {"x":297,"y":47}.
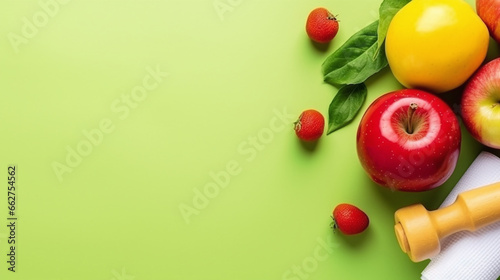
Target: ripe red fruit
{"x":321,"y":25}
{"x":310,"y":125}
{"x":409,"y":140}
{"x":349,"y":219}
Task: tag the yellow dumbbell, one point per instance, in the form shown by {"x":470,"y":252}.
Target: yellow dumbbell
{"x":419,"y":231}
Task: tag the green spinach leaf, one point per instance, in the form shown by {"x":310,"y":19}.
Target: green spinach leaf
{"x":356,"y":60}
{"x":345,"y":106}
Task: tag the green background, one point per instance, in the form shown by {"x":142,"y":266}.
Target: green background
{"x":231,"y":77}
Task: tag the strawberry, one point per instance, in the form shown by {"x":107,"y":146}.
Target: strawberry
{"x":321,"y":25}
{"x":349,"y":219}
{"x":310,"y":125}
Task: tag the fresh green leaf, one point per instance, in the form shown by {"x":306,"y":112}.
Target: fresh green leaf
{"x":387,"y":11}
{"x":345,"y":106}
{"x":356,"y":60}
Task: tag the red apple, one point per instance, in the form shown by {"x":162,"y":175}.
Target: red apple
{"x":409,"y":140}
{"x":489,"y":12}
{"x":481,"y":104}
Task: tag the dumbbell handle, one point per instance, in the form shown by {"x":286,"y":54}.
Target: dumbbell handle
{"x":472,"y":210}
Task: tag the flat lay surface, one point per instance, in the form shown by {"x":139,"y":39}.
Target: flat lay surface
{"x":155,"y":140}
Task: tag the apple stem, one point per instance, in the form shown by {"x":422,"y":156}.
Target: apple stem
{"x":411,"y":112}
